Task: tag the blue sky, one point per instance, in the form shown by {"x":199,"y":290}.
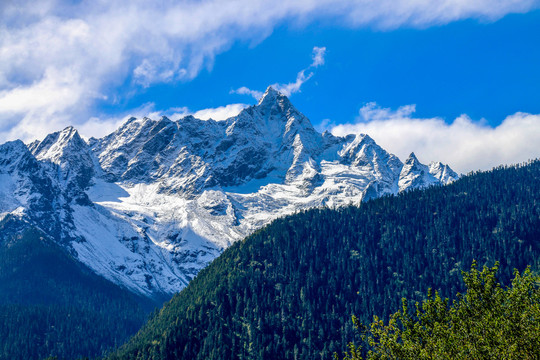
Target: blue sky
{"x":485,"y":70}
{"x":456,"y":81}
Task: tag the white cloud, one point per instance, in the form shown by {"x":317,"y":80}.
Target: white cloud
{"x":98,"y":127}
{"x":217,"y":113}
{"x":55,"y":92}
{"x":464,"y":144}
{"x":59,"y":56}
{"x":318,"y":56}
{"x":220,"y":113}
{"x":148,"y":73}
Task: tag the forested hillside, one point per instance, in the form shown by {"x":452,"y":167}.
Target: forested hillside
{"x":51,"y":305}
{"x":289,"y":290}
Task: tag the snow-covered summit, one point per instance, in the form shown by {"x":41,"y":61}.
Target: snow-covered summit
{"x":15,"y":155}
{"x":442,"y":172}
{"x":271,"y":97}
{"x":190,"y":155}
{"x":27,"y":193}
{"x":70,"y":161}
{"x":416,"y":175}
{"x":153,"y":202}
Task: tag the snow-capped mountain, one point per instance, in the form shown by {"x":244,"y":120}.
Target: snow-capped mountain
{"x":155,"y":201}
{"x":416,"y":175}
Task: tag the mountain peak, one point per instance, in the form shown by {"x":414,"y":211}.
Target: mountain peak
{"x":271,"y":95}
{"x":68,"y":134}
{"x":274,"y":114}
{"x":72,"y":157}
{"x":55,"y":144}
{"x":412,"y":159}
{"x":13,"y":145}
{"x":69,"y":130}
{"x":12,"y":151}
{"x":442,"y":172}
{"x":414,"y":174}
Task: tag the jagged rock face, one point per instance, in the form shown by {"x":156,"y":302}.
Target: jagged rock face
{"x":191,"y":155}
{"x":27,"y":194}
{"x":415,"y":175}
{"x":363,"y":152}
{"x":152,"y":203}
{"x":442,"y":172}
{"x":70,"y":162}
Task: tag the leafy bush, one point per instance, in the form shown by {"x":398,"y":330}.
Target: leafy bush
{"x":487,"y":322}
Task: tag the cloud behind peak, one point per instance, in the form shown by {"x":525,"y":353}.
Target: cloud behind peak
{"x":464,"y":144}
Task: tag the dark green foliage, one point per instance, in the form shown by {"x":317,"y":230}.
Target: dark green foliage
{"x":487,"y":322}
{"x":51,"y":305}
{"x":287,"y":291}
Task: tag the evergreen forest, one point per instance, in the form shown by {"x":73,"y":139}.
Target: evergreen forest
{"x":289,"y":290}
{"x":51,"y":305}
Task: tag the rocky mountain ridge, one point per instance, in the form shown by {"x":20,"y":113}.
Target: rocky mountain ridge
{"x":155,"y":201}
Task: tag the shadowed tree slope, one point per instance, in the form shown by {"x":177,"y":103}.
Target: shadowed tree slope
{"x":288,"y":290}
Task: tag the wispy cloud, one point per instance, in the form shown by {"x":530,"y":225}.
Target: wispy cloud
{"x":247,"y":91}
{"x":58,"y":57}
{"x":318,"y":56}
{"x":464,"y":144}
{"x":292,"y":87}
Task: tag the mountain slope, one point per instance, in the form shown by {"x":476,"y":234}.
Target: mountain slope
{"x":52,"y":305}
{"x":27,"y":191}
{"x":288,"y":290}
{"x":69,"y":160}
